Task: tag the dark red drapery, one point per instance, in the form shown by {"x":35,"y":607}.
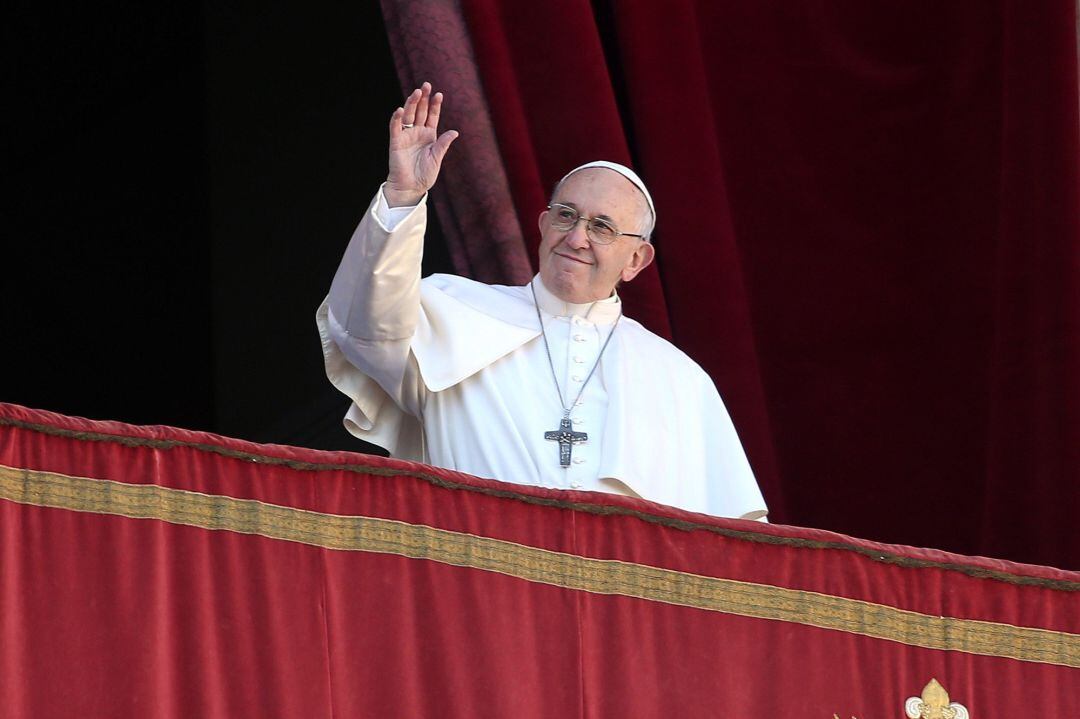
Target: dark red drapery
{"x":149,"y":571}
{"x":868,"y":232}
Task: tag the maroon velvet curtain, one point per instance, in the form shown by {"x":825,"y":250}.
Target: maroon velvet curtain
{"x":868,"y":233}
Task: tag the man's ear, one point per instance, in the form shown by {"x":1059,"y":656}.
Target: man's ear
{"x":642,"y":258}
{"x":540,"y":221}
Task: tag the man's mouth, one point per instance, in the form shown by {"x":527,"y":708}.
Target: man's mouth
{"x":575,"y":259}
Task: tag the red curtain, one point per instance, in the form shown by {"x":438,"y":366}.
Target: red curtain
{"x":158,"y":572}
{"x":868,"y":233}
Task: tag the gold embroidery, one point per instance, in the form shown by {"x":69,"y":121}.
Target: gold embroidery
{"x":878,"y":554}
{"x":369,"y":534}
{"x":934,"y":704}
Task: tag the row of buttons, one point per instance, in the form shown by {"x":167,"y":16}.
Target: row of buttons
{"x":578,"y":337}
{"x":578,"y":359}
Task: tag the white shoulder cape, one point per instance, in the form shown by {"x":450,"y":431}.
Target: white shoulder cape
{"x":668,"y":435}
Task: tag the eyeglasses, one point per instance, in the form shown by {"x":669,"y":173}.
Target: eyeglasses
{"x":564,"y":218}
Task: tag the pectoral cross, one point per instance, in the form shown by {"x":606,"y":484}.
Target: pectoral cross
{"x":567,"y":438}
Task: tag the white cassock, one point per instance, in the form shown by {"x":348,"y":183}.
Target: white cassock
{"x":454,"y":373}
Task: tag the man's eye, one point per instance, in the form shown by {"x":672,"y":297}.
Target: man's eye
{"x":565,"y":215}
{"x":603,"y":228}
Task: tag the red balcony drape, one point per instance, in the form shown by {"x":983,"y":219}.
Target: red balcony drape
{"x":149,"y":571}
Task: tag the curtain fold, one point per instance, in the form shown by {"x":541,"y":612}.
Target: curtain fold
{"x":707,"y":297}
{"x":867,"y":236}
{"x":1033,"y":440}
{"x":430,"y":42}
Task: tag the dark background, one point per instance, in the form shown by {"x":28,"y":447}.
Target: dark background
{"x":182,"y":181}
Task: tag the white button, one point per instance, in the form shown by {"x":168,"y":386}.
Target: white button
{"x":580,"y":338}
{"x":579,"y":403}
{"x":575,"y":485}
{"x":579,"y":360}
{"x":577,"y":422}
{"x":576,"y":378}
{"x":579,"y":460}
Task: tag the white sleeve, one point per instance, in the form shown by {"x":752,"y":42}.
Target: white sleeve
{"x":374,"y":304}
{"x":391,"y":217}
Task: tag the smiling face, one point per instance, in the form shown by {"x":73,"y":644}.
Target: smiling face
{"x":578,"y":271}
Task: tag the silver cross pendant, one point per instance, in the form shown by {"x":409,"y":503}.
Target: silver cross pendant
{"x":567,"y":438}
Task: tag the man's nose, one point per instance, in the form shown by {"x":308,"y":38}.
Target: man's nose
{"x":578,"y":237}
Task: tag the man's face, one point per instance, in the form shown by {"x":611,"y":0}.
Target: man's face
{"x":576,"y":270}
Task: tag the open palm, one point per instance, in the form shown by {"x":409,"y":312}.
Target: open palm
{"x":416,"y":148}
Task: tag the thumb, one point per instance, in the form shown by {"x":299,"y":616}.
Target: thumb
{"x":442,"y":144}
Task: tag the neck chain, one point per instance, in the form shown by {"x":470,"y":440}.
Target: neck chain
{"x":565,"y":435}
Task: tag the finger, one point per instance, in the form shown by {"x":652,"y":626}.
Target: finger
{"x":409,"y":116}
{"x":422,"y":105}
{"x":395,"y":123}
{"x":434,"y":111}
{"x":443,"y":144}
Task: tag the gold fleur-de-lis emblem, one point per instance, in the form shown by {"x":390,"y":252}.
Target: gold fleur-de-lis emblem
{"x":934,"y":704}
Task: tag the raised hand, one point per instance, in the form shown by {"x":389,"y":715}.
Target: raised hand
{"x":416,"y":148}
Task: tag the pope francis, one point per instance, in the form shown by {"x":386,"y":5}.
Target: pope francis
{"x":545,"y":384}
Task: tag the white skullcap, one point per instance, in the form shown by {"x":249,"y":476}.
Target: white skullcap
{"x":625,"y":172}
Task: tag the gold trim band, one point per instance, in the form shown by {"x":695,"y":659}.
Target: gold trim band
{"x":880,"y":555}
{"x":370,"y":534}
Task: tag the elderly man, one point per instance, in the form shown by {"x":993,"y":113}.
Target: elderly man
{"x":546,"y":384}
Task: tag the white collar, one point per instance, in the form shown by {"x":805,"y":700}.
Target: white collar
{"x":601,"y":312}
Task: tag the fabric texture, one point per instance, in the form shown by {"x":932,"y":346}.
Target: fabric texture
{"x":150,"y":571}
{"x":452,"y":372}
{"x":869,"y":233}
{"x":474,"y":197}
